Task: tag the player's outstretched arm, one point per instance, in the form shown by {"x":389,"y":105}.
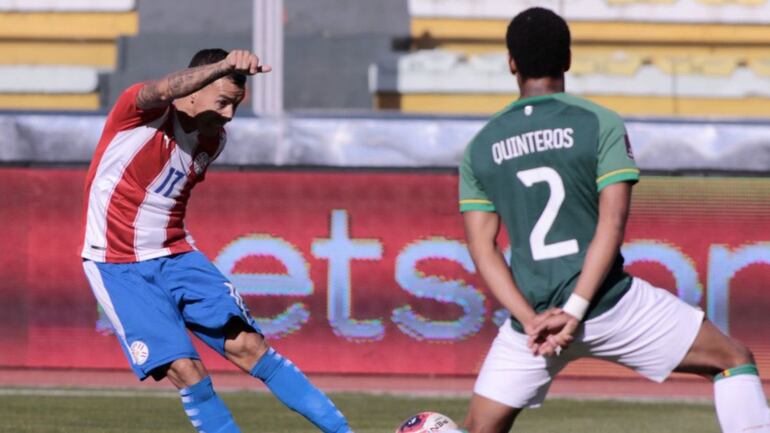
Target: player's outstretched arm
{"x":481,"y":230}
{"x":614,"y":205}
{"x":160,"y":93}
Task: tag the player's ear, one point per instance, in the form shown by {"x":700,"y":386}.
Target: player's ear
{"x":569,"y":61}
{"x":512,"y":65}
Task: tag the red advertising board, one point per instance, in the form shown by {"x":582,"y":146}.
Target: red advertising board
{"x":365,"y":272}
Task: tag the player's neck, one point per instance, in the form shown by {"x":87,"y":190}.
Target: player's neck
{"x":540,"y":86}
{"x":185,"y":119}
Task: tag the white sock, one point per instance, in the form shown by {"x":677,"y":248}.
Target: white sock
{"x":740,"y":402}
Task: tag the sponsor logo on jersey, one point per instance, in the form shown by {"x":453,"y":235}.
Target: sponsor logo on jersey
{"x":201,"y":163}
{"x":139,"y":352}
{"x":532,"y":142}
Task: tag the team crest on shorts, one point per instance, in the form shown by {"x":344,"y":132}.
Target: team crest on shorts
{"x":139,"y":352}
{"x":201,"y":162}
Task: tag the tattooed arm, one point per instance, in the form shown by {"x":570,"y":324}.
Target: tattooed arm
{"x":160,"y":93}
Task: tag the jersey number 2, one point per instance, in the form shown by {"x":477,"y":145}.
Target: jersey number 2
{"x":541,"y":251}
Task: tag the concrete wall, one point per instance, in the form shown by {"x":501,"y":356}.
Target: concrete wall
{"x":329,"y":46}
{"x":330,"y":72}
{"x":195,"y":17}
{"x":347,"y":17}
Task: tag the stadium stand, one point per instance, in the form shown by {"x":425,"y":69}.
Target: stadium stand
{"x":640,"y":57}
{"x":103,"y":46}
{"x":320,"y":47}
{"x":81,"y":54}
{"x":51,"y":52}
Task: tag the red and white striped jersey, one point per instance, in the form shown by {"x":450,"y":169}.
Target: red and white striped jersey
{"x":139,"y":181}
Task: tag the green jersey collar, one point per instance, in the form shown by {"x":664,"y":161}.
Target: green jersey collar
{"x":537,"y":98}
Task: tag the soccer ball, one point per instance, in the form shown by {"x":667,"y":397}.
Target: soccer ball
{"x":427,"y":422}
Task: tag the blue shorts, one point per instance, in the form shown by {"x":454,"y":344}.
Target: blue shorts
{"x":152,"y":304}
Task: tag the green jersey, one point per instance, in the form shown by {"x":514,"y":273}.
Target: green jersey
{"x":540,"y":164}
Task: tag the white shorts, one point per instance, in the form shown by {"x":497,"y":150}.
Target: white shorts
{"x":649,"y":331}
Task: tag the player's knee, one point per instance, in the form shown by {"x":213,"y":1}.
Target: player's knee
{"x":741,"y":355}
{"x":736,"y":354}
{"x":242,"y":341}
{"x":246,"y":349}
{"x":185,"y":372}
{"x":249,"y":345}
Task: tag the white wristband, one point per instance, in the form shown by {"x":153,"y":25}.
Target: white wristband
{"x":576,"y":306}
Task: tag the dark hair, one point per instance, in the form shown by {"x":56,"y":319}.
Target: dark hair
{"x":210,"y":56}
{"x":538,"y":41}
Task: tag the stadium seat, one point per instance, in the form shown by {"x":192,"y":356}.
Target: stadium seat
{"x":490,"y":63}
{"x":760,"y":66}
{"x":49,"y":87}
{"x":583,"y":65}
{"x":717,"y":66}
{"x":430,"y":61}
{"x":625,"y":2}
{"x":674,"y":65}
{"x":48,"y":79}
{"x":99,"y":54}
{"x":622,"y":63}
{"x":697,"y":65}
{"x":67,"y":5}
{"x":733,"y":2}
{"x":52,"y":51}
{"x":66,"y":25}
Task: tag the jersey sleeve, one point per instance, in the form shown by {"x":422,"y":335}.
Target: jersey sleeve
{"x":126,"y":115}
{"x":472,"y":195}
{"x":615,"y":159}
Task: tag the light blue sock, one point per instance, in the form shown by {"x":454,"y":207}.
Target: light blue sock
{"x":294,"y":390}
{"x":206,"y":410}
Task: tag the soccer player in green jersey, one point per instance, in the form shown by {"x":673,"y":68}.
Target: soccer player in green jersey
{"x":557,"y":171}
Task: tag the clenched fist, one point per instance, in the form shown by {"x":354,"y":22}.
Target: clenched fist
{"x":244,"y":62}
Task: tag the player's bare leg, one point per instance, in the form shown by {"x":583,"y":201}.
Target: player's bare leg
{"x":489,"y":416}
{"x":249,"y":351}
{"x":186,"y":372}
{"x":243,"y":346}
{"x":738,"y":395}
{"x":713,"y":352}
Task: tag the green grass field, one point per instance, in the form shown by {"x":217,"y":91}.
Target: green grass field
{"x":73,"y":412}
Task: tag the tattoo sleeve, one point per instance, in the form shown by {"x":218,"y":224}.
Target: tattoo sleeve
{"x":159,"y":93}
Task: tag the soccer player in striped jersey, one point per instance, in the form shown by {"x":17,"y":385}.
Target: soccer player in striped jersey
{"x":557,"y":171}
{"x":142,"y":263}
